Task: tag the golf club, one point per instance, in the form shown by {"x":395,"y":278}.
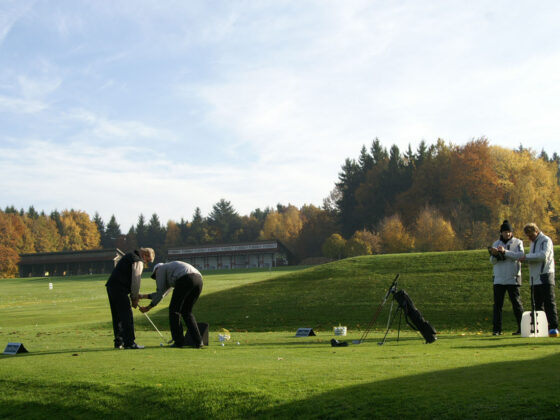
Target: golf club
{"x":154,"y":325}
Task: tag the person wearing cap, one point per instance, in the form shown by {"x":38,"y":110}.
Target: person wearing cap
{"x":186,"y":282}
{"x":504,"y":256}
{"x":541,"y":270}
{"x":124,"y":281}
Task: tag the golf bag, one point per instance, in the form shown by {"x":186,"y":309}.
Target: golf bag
{"x":414,"y":317}
{"x":203,"y":328}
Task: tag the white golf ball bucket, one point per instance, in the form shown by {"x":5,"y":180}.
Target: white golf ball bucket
{"x":340,"y":331}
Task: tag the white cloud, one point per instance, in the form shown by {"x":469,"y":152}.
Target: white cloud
{"x":10,"y":12}
{"x":21,"y":106}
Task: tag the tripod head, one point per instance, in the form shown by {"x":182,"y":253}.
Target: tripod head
{"x":393,"y":287}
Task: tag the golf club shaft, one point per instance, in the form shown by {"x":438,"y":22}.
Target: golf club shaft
{"x":154,"y":325}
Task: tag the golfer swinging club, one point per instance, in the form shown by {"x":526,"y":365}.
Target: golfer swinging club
{"x":187,"y":283}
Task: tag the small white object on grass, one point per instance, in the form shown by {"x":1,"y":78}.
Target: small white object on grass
{"x":223,"y":344}
{"x":238,"y":343}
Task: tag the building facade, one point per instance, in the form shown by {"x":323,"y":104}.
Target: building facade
{"x":101,"y":261}
{"x":262,"y":254}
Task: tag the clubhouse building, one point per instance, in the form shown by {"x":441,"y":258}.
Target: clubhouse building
{"x":261,"y":254}
{"x":99,"y":261}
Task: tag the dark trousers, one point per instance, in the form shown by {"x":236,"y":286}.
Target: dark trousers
{"x":545,"y":300}
{"x":499,"y":294}
{"x":123,"y":322}
{"x":185,"y":294}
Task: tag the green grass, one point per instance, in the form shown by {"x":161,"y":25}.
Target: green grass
{"x":72,"y":371}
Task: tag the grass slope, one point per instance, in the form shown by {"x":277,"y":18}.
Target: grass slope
{"x":72,"y":371}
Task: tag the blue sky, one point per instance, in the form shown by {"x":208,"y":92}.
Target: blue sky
{"x":129,"y":107}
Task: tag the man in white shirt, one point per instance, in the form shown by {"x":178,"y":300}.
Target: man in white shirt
{"x":541,"y":271}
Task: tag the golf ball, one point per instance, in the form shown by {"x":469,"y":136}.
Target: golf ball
{"x":223,"y":344}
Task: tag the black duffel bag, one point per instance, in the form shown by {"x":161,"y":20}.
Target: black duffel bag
{"x":414,"y":317}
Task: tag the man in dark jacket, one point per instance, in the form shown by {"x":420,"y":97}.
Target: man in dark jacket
{"x":125,"y":281}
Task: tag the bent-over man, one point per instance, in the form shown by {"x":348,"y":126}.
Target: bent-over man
{"x":187,"y":283}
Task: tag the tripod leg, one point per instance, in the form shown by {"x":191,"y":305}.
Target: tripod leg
{"x":389,"y":323}
{"x":399,"y":330}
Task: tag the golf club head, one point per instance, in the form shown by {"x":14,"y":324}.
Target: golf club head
{"x":380,"y":343}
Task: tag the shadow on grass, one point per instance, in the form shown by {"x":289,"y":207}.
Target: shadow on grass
{"x":520,"y":389}
{"x":494,"y":390}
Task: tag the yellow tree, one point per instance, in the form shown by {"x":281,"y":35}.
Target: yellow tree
{"x":531,"y":192}
{"x":356,"y":246}
{"x":14,"y":233}
{"x":394,"y":236}
{"x":9,"y":259}
{"x":173,"y":235}
{"x":284,"y":226}
{"x":433,"y":233}
{"x":45,"y":234}
{"x":79,"y":232}
{"x":334,"y":247}
{"x":372,"y":240}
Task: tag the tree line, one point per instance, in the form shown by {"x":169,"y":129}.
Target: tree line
{"x":437,"y":198}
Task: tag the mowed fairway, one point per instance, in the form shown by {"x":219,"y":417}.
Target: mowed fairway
{"x":72,"y":371}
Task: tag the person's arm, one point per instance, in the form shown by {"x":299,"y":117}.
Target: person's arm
{"x":516,"y":253}
{"x":542,"y":253}
{"x":137,"y":269}
{"x":161,"y":291}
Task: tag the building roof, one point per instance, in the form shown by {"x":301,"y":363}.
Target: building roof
{"x":235,"y":248}
{"x":70,"y":256}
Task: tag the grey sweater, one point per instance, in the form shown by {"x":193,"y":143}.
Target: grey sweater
{"x":166,"y":276}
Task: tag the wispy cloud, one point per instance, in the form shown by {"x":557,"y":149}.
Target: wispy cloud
{"x":10,"y":12}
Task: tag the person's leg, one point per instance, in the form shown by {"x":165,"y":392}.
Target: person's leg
{"x":550,"y":306}
{"x":517,"y":306}
{"x":117,"y":325}
{"x":538,"y":296}
{"x":175,"y":325}
{"x":126,"y":319}
{"x":195,"y":288}
{"x":499,"y":293}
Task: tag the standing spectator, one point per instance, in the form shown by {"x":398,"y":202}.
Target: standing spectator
{"x":541,"y":270}
{"x":504,"y":256}
{"x":187,"y":283}
{"x":125,"y":281}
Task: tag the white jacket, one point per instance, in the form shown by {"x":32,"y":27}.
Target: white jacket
{"x":508,"y":272}
{"x":540,"y":258}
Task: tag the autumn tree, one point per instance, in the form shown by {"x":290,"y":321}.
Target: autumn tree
{"x":371,"y":239}
{"x":172,"y":235}
{"x":9,"y":259}
{"x":334,"y":247}
{"x":45,"y":234}
{"x":529,"y":188}
{"x":78,"y":231}
{"x":433,"y":233}
{"x":394,"y":236}
{"x":284,"y":225}
{"x":355,"y":247}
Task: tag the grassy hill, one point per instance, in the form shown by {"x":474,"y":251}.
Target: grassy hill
{"x":266,"y":372}
{"x":452,"y":289}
